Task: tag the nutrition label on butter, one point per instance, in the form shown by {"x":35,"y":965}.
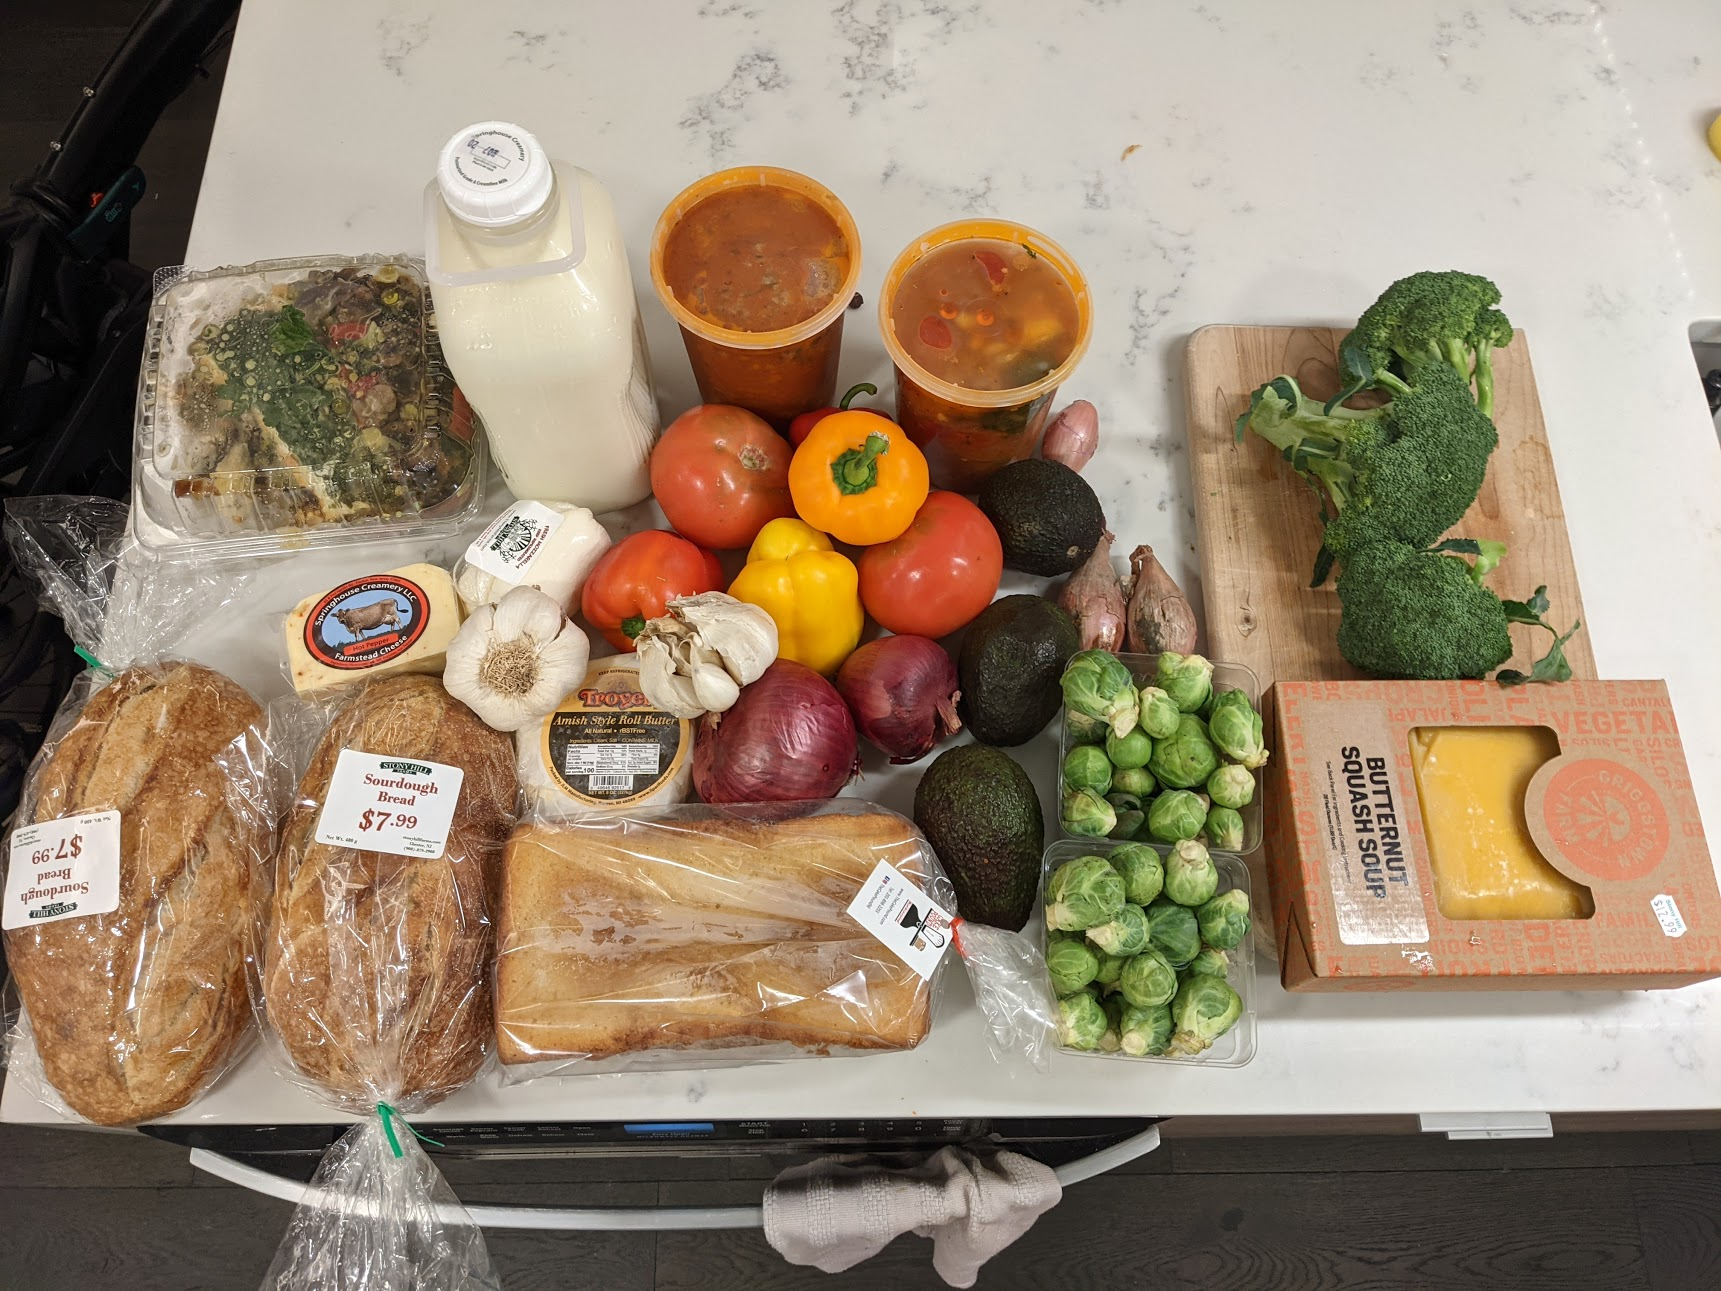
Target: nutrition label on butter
{"x":612,"y":759}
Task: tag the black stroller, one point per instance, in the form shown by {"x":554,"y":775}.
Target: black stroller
{"x":72,"y":316}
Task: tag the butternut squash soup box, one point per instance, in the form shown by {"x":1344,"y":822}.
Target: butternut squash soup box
{"x":1466,"y":836}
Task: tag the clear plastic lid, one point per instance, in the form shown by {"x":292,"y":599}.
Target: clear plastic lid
{"x":298,"y":403}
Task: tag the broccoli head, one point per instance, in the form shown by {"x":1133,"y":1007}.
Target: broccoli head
{"x":1447,"y":317}
{"x":1416,"y":613}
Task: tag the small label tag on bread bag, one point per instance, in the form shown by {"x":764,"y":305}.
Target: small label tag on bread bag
{"x":893,"y":909}
{"x":63,"y":869}
{"x":379,"y":803}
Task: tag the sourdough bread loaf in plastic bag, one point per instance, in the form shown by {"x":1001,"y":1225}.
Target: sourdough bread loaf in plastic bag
{"x":137,"y":863}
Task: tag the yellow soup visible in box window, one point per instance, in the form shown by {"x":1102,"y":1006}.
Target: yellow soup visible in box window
{"x":1472,"y":782}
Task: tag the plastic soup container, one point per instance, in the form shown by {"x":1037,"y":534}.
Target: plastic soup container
{"x":757,"y":265}
{"x":984,"y":320}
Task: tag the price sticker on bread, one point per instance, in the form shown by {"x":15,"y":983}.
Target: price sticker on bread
{"x":63,"y":869}
{"x":379,"y":803}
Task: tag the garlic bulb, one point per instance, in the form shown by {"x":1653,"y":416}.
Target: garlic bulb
{"x":696,"y":658}
{"x":513,"y":661}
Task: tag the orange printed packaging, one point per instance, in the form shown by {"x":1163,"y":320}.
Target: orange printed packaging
{"x":1433,"y":835}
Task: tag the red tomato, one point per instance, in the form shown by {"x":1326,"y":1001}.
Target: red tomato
{"x":936,"y":577}
{"x":637,"y":579}
{"x":720,"y":474}
{"x":802,"y":426}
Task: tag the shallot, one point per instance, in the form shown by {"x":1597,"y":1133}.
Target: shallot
{"x":1093,"y":597}
{"x":1074,"y":436}
{"x":1159,"y":617}
{"x":902,"y":691}
{"x":788,"y":738}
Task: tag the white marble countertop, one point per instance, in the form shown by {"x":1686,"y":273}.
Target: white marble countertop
{"x":1240,"y":162}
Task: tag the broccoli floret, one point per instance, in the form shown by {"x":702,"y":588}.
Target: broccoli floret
{"x":1417,"y":613}
{"x":1448,"y":317}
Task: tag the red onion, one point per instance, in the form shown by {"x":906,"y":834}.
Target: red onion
{"x":903,"y":693}
{"x":788,"y":738}
{"x":1073,"y":437}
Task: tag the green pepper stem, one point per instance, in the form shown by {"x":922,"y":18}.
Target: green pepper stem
{"x":865,"y":387}
{"x":856,"y":471}
{"x":632,"y":626}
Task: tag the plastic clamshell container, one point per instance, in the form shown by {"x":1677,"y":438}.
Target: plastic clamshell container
{"x":1226,"y":676}
{"x":183,"y":508}
{"x":1237,"y":1046}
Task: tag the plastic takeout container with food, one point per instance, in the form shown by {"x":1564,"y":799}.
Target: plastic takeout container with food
{"x":1237,"y":1046}
{"x":1226,"y":676}
{"x":298,"y":403}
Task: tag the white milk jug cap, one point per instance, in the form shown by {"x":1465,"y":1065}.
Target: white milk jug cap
{"x":494,"y":173}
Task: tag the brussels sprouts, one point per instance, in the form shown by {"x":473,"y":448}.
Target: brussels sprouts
{"x":1143,"y":872}
{"x":1125,"y":933}
{"x":1087,"y":767}
{"x":1071,"y":964}
{"x":1129,"y":824}
{"x":1136,"y":780}
{"x":1121,"y":801}
{"x":1081,"y":1020}
{"x":1083,"y":893}
{"x":1079,"y":728}
{"x":1144,"y":1030}
{"x":1186,"y":758}
{"x":1172,"y":931}
{"x":1212,"y":961}
{"x":1111,"y":968}
{"x":1157,"y":712}
{"x":1224,"y":830}
{"x":1203,"y":1009}
{"x":1111,"y":1039}
{"x":1235,"y":729}
{"x":1088,"y":814}
{"x":1096,"y":684}
{"x":1190,"y":875}
{"x":1129,"y":751}
{"x":1175,"y":815}
{"x":1187,"y":678}
{"x":1231,"y":786}
{"x":1224,"y":920}
{"x":1147,"y":979}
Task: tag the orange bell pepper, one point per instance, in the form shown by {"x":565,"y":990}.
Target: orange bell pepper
{"x":859,"y":478}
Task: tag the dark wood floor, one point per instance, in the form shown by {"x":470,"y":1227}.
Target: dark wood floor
{"x":87,"y":1211}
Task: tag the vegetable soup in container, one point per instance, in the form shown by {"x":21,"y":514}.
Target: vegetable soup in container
{"x":984,"y":320}
{"x":757,"y":265}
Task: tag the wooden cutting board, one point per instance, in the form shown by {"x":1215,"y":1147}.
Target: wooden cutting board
{"x":1259,"y":528}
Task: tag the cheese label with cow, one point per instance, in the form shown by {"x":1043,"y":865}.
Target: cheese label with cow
{"x":400,"y":620}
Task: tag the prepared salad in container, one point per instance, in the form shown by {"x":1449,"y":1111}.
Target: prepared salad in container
{"x":295,"y":403}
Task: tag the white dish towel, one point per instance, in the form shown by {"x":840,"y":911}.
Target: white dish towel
{"x":839,"y":1210}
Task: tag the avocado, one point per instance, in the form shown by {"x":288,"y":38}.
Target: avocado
{"x":1047,"y":516}
{"x":979,"y":811}
{"x":1009,"y":667}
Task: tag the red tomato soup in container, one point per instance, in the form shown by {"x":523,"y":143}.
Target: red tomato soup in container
{"x":758,"y":265}
{"x":984,"y":320}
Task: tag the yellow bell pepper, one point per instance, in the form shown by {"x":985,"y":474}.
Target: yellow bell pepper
{"x":811,"y":591}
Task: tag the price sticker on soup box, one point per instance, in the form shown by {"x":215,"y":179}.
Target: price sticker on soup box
{"x":378,"y":803}
{"x":892,"y":907}
{"x":63,"y":869}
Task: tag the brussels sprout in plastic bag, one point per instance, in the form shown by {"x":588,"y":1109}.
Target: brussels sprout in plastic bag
{"x":1157,"y":712}
{"x":1085,"y":813}
{"x":1129,"y":824}
{"x":1144,"y":1030}
{"x":1124,"y":934}
{"x":1211,"y":962}
{"x":1111,"y":1039}
{"x":1127,"y":752}
{"x":1235,"y":729}
{"x":1122,"y":802}
{"x":1224,"y":920}
{"x":1175,"y":815}
{"x":1172,"y":931}
{"x":1111,"y":968}
{"x":1187,"y":678}
{"x":1190,"y":875}
{"x":1136,"y":780}
{"x":1231,"y":786}
{"x":1087,"y":767}
{"x":1096,"y":684}
{"x":1079,"y":728}
{"x":1185,"y":758}
{"x":1071,"y":964}
{"x":1081,"y":1021}
{"x":1147,"y":979}
{"x":1223,"y":830}
{"x":1083,"y":894}
{"x":1203,"y":1009}
{"x":1143,"y":872}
